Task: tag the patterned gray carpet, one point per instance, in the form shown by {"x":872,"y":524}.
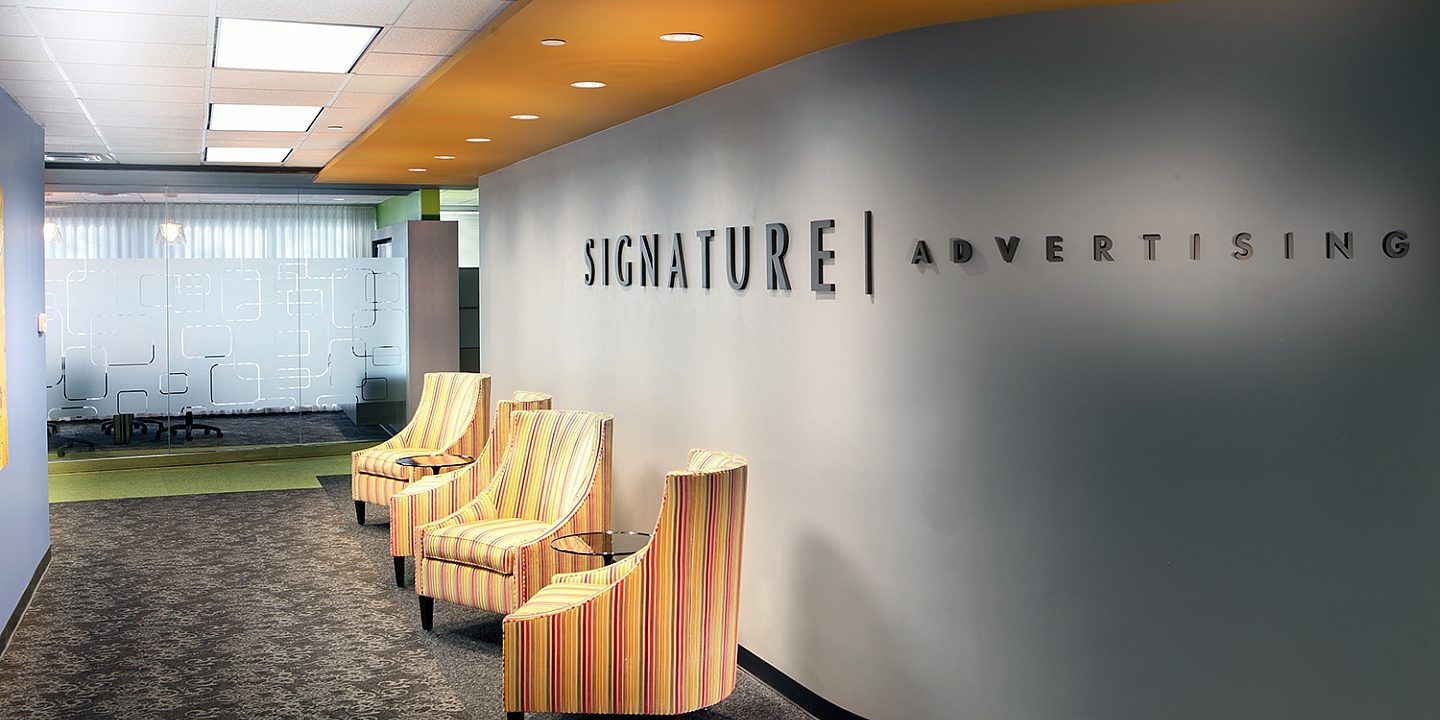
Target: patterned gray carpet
{"x":254,"y":605}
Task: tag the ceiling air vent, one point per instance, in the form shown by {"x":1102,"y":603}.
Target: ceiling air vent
{"x":78,"y":157}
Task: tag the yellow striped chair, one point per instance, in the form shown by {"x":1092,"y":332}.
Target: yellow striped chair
{"x":494,"y":553}
{"x":453,"y":417}
{"x":432,"y":498}
{"x":654,"y":633}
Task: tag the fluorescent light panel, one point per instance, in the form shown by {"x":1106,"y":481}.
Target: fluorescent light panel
{"x":246,"y":154}
{"x":284,"y":118}
{"x":292,"y":46}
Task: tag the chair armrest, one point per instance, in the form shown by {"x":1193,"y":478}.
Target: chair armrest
{"x":425,"y":501}
{"x":608,"y":575}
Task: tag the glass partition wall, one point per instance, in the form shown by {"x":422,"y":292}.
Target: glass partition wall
{"x":250,"y":326}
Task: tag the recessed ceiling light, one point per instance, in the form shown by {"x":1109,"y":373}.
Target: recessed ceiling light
{"x":682,"y":37}
{"x":444,"y":157}
{"x":417,"y":170}
{"x":338,"y":199}
{"x":281,"y":118}
{"x":587,"y":84}
{"x":477,"y":139}
{"x":524,"y":116}
{"x":334,"y":127}
{"x":245,"y":154}
{"x":293,"y":46}
{"x":552,"y":42}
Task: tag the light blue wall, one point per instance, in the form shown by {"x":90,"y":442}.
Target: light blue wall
{"x":24,"y":509}
{"x":1170,"y":488}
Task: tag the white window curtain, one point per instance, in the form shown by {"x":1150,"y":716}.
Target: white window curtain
{"x":113,"y":231}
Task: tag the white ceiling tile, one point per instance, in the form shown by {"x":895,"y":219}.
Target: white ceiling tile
{"x":392,"y":84}
{"x":129,"y":53}
{"x":368,"y":101}
{"x":14,"y":47}
{"x":350,"y":118}
{"x":471,"y":15}
{"x":416,"y":41}
{"x":135,"y":75}
{"x":373,"y":63}
{"x":22,"y":70}
{"x":232,"y":138}
{"x":310,"y":158}
{"x":148,"y":7}
{"x":12,"y":22}
{"x":33,"y":88}
{"x":343,"y":12}
{"x":193,"y":121}
{"x":71,"y":130}
{"x":143,"y":109}
{"x":186,"y":158}
{"x":271,"y":80}
{"x":327,"y":141}
{"x":140,"y":93}
{"x":49,"y":104}
{"x":124,"y":27}
{"x":78,"y":146}
{"x":269,"y":97}
{"x":156,"y":146}
{"x":130,"y":134}
{"x":51,"y":118}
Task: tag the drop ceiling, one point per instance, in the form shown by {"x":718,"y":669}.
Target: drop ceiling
{"x":132,"y":80}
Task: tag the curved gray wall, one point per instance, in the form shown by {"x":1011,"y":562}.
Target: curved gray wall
{"x":1165,"y":488}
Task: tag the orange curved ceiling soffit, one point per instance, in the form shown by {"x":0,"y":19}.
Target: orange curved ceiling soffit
{"x":504,"y":71}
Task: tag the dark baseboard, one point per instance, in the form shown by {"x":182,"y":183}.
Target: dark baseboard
{"x":20,"y":607}
{"x":785,"y":685}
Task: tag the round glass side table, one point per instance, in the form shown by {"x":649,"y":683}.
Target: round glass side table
{"x":608,"y":545}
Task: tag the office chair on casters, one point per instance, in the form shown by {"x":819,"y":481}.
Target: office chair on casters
{"x":53,"y":428}
{"x":191,"y":426}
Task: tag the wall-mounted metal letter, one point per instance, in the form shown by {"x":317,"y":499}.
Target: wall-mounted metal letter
{"x":1396,"y":244}
{"x":1103,"y":244}
{"x":869,"y":253}
{"x":590,"y":261}
{"x":738,"y":282}
{"x":705,"y":237}
{"x":777,"y":243}
{"x":1289,"y":245}
{"x":677,"y":263}
{"x":961,"y":251}
{"x":606,"y":252}
{"x":1333,"y":245}
{"x":1053,"y":247}
{"x":624,"y":272}
{"x":649,"y":269}
{"x":1195,"y":246}
{"x":1243,"y":249}
{"x":1150,"y":240}
{"x":819,"y":256}
{"x":1007,"y":247}
{"x":921,"y":256}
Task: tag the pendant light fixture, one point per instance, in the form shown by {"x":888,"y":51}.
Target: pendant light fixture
{"x":170,"y":232}
{"x":52,"y":232}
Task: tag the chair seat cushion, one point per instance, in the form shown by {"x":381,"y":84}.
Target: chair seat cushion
{"x":557,"y":597}
{"x":383,"y":462}
{"x":490,"y":544}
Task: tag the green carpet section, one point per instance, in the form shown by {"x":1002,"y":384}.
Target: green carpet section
{"x":196,"y":479}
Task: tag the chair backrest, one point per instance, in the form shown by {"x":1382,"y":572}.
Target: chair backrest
{"x":453,"y":414}
{"x":552,"y":461}
{"x":489,"y":459}
{"x":691,"y":568}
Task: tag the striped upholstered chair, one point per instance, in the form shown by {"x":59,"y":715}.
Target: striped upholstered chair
{"x":453,"y":417}
{"x":654,"y":633}
{"x":494,"y":553}
{"x":432,"y":498}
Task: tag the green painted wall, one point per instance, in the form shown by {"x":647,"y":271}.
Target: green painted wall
{"x":419,"y":205}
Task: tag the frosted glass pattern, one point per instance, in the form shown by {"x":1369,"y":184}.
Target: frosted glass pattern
{"x":148,"y":336}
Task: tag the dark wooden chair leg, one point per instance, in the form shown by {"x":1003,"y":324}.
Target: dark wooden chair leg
{"x":360,"y":511}
{"x":427,"y":611}
{"x":399,"y":571}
